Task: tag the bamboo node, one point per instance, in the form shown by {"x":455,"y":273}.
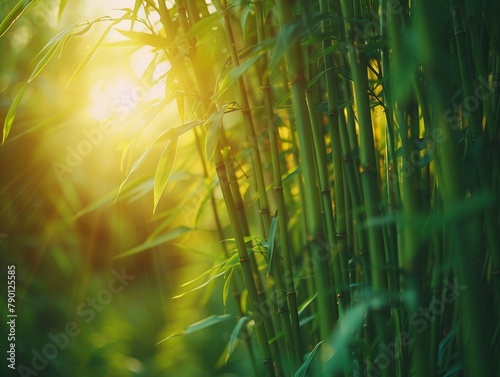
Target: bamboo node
{"x":367,"y":168}
{"x":278,"y":188}
{"x":325,"y":191}
{"x":245,"y":259}
{"x":342,"y":235}
{"x":283,"y":309}
{"x":264,"y":211}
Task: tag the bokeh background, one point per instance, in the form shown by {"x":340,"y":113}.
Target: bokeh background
{"x":64,"y":227}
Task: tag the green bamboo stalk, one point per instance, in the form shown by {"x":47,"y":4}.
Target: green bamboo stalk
{"x":476,"y":354}
{"x":369,"y":169}
{"x":245,"y":266}
{"x":295,"y":349}
{"x":294,"y":61}
{"x":262,"y":324}
{"x":368,"y":164}
{"x":332,"y":90}
{"x":351,"y":171}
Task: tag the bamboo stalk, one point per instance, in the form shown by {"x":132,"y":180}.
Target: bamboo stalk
{"x":294,"y":61}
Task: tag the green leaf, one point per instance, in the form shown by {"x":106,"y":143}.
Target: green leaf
{"x":11,"y":114}
{"x":176,"y":132}
{"x":43,"y":61}
{"x":135,"y":166}
{"x":13,"y":15}
{"x":301,"y":372}
{"x":62,"y":6}
{"x":443,"y":344}
{"x":270,"y":242}
{"x":137,"y":6}
{"x":225,"y":290}
{"x":235,"y":335}
{"x":163,"y":170}
{"x":213,"y":131}
{"x":156,"y":242}
{"x":307,"y":303}
{"x":83,"y":64}
{"x":200,"y":325}
{"x":201,"y":285}
{"x":288,"y":37}
{"x":455,"y":368}
{"x":146,"y":38}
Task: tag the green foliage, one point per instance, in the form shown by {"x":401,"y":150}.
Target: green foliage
{"x":369,"y":125}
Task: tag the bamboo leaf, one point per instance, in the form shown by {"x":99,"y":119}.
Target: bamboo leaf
{"x":235,"y":335}
{"x":176,"y":131}
{"x":163,"y":170}
{"x":148,"y":39}
{"x":93,"y":51}
{"x":288,"y":37}
{"x":201,"y":325}
{"x":301,"y":372}
{"x":201,"y":285}
{"x":43,"y":61}
{"x":13,"y":15}
{"x":231,"y":261}
{"x":11,"y":114}
{"x":457,"y":367}
{"x":272,"y":233}
{"x":137,"y":6}
{"x":135,"y":166}
{"x":227,"y":285}
{"x":307,"y":303}
{"x":213,"y":131}
{"x":62,"y":6}
{"x":443,"y":344}
{"x":156,"y":242}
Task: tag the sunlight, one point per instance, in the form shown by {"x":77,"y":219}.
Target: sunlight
{"x":113,"y":99}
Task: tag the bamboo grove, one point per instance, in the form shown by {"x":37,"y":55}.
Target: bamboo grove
{"x":353,"y":148}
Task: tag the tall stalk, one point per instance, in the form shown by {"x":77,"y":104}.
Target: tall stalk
{"x":295,"y":349}
{"x":296,"y":74}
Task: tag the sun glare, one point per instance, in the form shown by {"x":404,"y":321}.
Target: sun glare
{"x":110,"y":98}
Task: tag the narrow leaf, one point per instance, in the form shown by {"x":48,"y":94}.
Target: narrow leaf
{"x":62,"y":6}
{"x":43,"y":61}
{"x":156,"y":242}
{"x":301,"y":372}
{"x":270,"y":242}
{"x":227,"y":285}
{"x":163,"y":170}
{"x":213,"y":132}
{"x":200,"y":325}
{"x":235,"y":335}
{"x":11,"y":114}
{"x":136,"y":165}
{"x":457,"y":367}
{"x":98,"y":44}
{"x":13,"y":15}
{"x":146,"y":38}
{"x":201,"y":285}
